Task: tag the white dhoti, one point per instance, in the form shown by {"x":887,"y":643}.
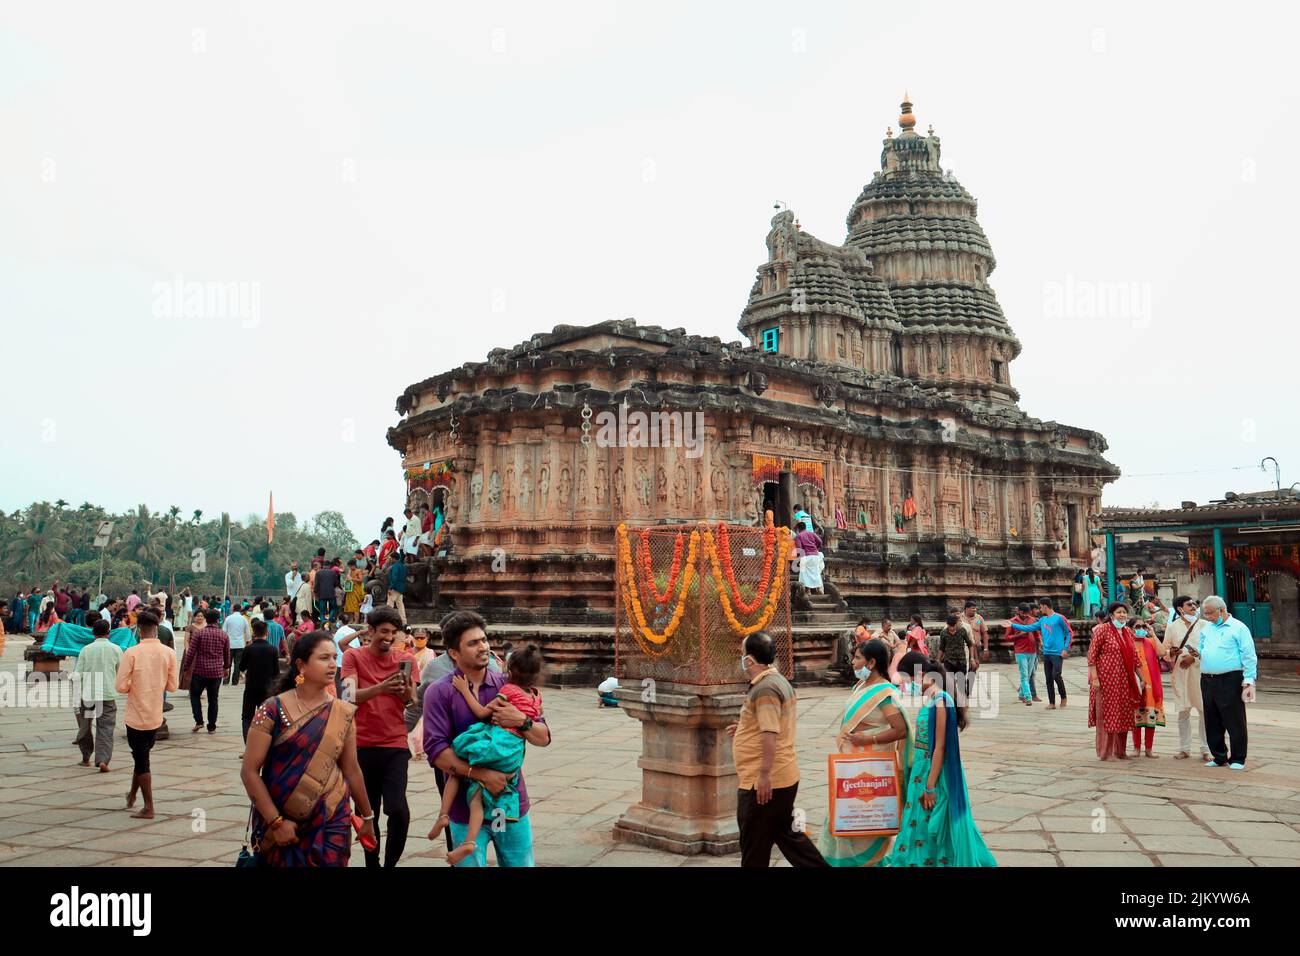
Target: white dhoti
{"x":810,"y":571}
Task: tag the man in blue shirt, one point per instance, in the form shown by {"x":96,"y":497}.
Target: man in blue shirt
{"x":1056,"y":634}
{"x":1228,"y":669}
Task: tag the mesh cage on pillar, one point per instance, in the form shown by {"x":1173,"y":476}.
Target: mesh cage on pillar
{"x":687,"y":594}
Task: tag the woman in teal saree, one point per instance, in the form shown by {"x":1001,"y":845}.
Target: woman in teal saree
{"x":937,"y":827}
{"x":873,"y":719}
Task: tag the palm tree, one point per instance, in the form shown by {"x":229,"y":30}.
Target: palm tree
{"x":198,"y":513}
{"x":172,"y":514}
{"x":40,"y":546}
{"x":142,"y":540}
{"x":61,"y":504}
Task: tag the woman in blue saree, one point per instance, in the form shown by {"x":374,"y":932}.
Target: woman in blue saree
{"x":300,"y":766}
{"x":937,"y":827}
{"x":873,"y":719}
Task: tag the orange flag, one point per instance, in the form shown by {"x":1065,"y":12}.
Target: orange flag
{"x":270,"y":518}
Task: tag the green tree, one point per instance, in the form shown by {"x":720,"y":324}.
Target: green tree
{"x":40,"y":547}
{"x":331,"y":526}
{"x":143,"y":540}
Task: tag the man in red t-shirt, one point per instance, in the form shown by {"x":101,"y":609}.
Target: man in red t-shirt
{"x":374,"y":681}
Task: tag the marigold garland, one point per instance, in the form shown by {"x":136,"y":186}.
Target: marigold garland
{"x":632,"y":601}
{"x":760,"y":590}
{"x":647,"y":570}
{"x":782,"y":547}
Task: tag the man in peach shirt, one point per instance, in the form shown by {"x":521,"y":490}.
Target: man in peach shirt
{"x":147,"y":670}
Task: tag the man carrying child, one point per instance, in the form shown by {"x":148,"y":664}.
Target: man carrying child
{"x":447,"y":715}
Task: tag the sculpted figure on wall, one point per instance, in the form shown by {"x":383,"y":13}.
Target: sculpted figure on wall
{"x":643,"y":486}
{"x":475,"y":494}
{"x":618,"y":489}
{"x":525,"y":490}
{"x":494,"y":490}
{"x":680,"y":488}
{"x":563,"y":488}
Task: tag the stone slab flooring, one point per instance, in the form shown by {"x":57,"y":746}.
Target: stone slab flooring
{"x":1038,"y":792}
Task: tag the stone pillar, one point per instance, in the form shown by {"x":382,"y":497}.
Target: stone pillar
{"x":688,"y":778}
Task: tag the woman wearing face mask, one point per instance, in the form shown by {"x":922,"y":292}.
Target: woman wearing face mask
{"x":873,"y":719}
{"x":937,"y":826}
{"x":1114,"y":689}
{"x":1150,"y":713}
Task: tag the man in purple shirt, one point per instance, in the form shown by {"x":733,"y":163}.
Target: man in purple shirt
{"x":446,"y":716}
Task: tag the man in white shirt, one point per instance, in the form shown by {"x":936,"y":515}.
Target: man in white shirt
{"x":292,"y":580}
{"x":237,"y":629}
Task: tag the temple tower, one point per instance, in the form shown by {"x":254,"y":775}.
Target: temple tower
{"x":918,"y":228}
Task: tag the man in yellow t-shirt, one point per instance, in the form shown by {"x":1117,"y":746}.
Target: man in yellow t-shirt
{"x":766,"y":765}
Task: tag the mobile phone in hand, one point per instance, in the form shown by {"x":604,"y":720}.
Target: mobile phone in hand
{"x":368,"y":842}
{"x":405,"y":669}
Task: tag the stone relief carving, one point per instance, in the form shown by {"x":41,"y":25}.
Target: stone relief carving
{"x":494,"y":490}
{"x":643,"y":486}
{"x":1039,"y":526}
{"x":525,"y":489}
{"x":563,"y":488}
{"x":475,"y":493}
{"x":618,"y":488}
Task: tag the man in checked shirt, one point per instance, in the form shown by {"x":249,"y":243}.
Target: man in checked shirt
{"x":209,"y":649}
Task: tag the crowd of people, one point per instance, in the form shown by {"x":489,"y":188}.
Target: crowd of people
{"x":341,"y":693}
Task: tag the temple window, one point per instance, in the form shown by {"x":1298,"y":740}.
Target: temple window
{"x":997,"y":371}
{"x":771,"y":340}
{"x":839,"y":342}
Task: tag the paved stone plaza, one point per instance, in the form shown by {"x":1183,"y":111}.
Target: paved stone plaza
{"x":1037,"y":789}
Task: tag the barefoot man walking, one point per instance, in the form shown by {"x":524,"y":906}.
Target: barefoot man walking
{"x":147,"y":670}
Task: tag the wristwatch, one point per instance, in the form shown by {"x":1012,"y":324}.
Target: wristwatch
{"x":526,"y":726}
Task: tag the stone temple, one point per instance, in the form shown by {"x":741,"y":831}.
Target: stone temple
{"x":874,"y":389}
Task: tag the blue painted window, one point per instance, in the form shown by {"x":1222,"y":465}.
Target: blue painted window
{"x":771,"y":340}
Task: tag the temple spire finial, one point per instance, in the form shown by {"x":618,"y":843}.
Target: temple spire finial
{"x":906,"y":120}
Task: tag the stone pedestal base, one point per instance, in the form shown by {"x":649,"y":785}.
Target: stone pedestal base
{"x":688,"y":779}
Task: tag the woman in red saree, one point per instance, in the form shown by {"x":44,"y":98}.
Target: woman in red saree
{"x":1114,"y":690}
{"x":300,"y":766}
{"x":1150,"y":712}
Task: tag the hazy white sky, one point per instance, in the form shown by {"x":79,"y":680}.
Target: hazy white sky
{"x":399,"y":187}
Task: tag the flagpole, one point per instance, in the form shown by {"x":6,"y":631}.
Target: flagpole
{"x":225,"y":582}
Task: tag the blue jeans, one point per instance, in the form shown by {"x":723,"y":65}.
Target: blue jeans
{"x":1028,"y":665}
{"x":514,"y":843}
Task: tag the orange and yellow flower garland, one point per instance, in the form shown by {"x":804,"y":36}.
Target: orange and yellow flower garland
{"x":782,"y":547}
{"x":765,"y":582}
{"x":647,"y":570}
{"x":631,"y":600}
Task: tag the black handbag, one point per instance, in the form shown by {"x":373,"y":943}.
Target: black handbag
{"x":248,"y":854}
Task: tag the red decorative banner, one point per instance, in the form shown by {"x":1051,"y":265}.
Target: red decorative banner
{"x":768,"y":468}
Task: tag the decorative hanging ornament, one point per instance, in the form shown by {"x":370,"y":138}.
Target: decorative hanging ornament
{"x":586,"y":424}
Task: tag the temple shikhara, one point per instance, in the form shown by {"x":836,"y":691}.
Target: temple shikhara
{"x":874,"y":388}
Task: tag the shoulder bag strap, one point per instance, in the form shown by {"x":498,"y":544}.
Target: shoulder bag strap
{"x":323,"y":765}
